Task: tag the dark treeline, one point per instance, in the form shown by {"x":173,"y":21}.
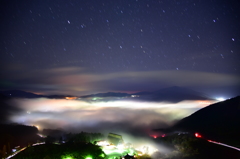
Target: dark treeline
{"x":65,"y":145}
{"x":186,"y":146}
{"x":86,"y":137}
{"x":63,"y":151}
{"x":58,"y":135}
{"x":12,"y":135}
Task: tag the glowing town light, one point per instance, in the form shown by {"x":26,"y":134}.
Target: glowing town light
{"x":220,"y":99}
{"x":70,"y":98}
{"x":120,"y":146}
{"x":198,"y":135}
{"x":103,"y":143}
{"x":37,"y":126}
{"x":154,"y":136}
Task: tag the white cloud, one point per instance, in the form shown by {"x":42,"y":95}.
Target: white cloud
{"x":116,"y":115}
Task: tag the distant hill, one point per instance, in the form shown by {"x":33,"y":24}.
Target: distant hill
{"x":108,"y":94}
{"x":57,"y":96}
{"x":20,"y":94}
{"x":12,"y":135}
{"x":170,"y":94}
{"x":219,"y":121}
{"x":173,"y":94}
{"x":24,"y":94}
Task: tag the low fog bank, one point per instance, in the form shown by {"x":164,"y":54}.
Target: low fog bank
{"x":132,"y":117}
{"x":134,"y":120}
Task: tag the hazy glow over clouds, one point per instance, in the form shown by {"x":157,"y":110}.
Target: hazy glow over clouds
{"x":101,"y":116}
{"x":77,"y":81}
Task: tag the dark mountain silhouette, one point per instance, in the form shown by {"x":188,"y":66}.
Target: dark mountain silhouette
{"x":53,"y":132}
{"x":57,"y":96}
{"x":12,"y":135}
{"x":108,"y":94}
{"x":17,"y":129}
{"x":24,"y":94}
{"x":219,"y":121}
{"x":172,"y":94}
{"x":20,"y":94}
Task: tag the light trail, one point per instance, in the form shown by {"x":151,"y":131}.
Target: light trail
{"x":224,"y":145}
{"x":219,"y":143}
{"x":15,"y":153}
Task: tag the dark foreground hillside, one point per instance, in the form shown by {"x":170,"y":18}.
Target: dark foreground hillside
{"x":64,"y":151}
{"x":219,"y":122}
{"x":186,"y":146}
{"x":12,"y":135}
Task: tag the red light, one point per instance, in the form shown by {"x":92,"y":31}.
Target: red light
{"x":163,"y":135}
{"x":154,"y":136}
{"x":198,"y":135}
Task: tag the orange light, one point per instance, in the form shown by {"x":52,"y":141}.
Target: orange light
{"x":71,"y":98}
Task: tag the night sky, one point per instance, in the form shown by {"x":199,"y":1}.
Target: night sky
{"x":79,"y":47}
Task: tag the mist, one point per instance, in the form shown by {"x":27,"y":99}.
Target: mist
{"x":130,"y":116}
{"x":133,"y":119}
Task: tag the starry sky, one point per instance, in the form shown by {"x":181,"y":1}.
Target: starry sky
{"x":79,"y":47}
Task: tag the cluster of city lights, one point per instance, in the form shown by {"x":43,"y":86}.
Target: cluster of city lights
{"x":123,"y":149}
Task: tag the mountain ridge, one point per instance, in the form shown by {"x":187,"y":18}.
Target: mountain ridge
{"x":219,"y":121}
{"x":170,"y":94}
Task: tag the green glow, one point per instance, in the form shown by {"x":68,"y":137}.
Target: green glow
{"x":96,"y":98}
{"x":67,"y":157}
{"x":131,"y":151}
{"x":114,"y":151}
{"x":88,"y":157}
{"x":102,"y":155}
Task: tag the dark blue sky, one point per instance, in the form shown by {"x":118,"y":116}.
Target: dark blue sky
{"x":89,"y":46}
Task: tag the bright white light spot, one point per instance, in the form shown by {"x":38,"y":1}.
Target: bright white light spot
{"x":220,"y":99}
